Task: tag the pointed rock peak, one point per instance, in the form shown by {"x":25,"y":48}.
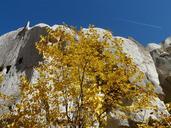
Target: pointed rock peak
{"x":21,"y":34}
{"x":27,"y":26}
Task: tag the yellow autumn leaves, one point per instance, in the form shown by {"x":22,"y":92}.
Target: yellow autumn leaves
{"x":84,"y":75}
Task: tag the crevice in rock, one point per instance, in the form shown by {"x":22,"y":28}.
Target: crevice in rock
{"x":20,"y":61}
{"x":8,"y":68}
{"x":1,"y":68}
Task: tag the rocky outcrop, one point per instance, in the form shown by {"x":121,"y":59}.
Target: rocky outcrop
{"x":142,"y":58}
{"x":18,"y":56}
{"x":162,"y":58}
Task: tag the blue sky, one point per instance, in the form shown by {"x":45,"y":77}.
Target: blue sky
{"x":145,"y":20}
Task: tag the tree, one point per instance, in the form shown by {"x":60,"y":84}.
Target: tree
{"x":82,"y":78}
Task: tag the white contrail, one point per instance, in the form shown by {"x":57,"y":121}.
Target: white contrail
{"x":140,"y":23}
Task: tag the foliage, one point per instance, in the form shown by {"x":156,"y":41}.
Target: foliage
{"x":1,"y":77}
{"x":83,"y":77}
{"x":163,"y":123}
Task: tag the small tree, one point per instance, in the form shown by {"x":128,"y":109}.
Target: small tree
{"x":82,"y":78}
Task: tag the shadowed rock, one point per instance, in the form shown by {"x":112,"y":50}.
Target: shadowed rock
{"x":162,"y":60}
{"x":18,"y":55}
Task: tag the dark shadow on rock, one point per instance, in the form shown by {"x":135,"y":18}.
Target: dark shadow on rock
{"x":132,"y":124}
{"x":166,"y":85}
{"x":29,"y":56}
{"x":162,"y":62}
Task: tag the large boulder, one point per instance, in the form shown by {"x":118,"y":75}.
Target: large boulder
{"x":162,"y":60}
{"x":142,"y":58}
{"x":19,"y":56}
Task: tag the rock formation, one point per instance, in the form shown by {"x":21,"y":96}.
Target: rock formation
{"x":18,"y":56}
{"x":161,"y":54}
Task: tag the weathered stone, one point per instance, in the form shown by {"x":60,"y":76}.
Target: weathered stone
{"x":142,"y":58}
{"x":18,"y":56}
{"x":162,"y":60}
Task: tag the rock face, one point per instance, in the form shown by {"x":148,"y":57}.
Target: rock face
{"x":162,"y":58}
{"x":18,"y":56}
{"x":144,"y":61}
{"x":142,"y":58}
